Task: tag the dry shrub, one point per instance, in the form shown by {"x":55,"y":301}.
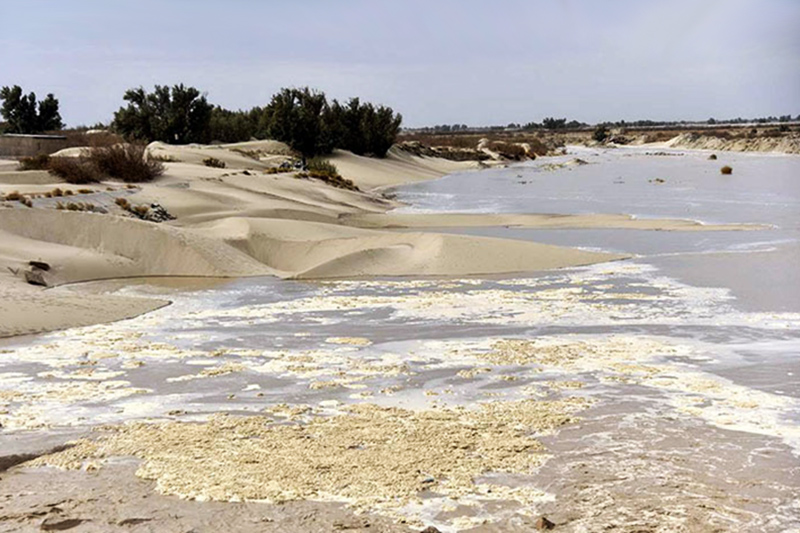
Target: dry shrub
{"x":140,"y":210}
{"x":26,"y":202}
{"x":277,"y":170}
{"x":123,"y":203}
{"x":37,"y":162}
{"x":74,"y":170}
{"x":726,"y":170}
{"x":14,"y":195}
{"x":213,"y":162}
{"x":713,"y":157}
{"x":68,"y":192}
{"x":509,"y":151}
{"x":127,"y":162}
{"x":57,"y":192}
{"x":85,"y":191}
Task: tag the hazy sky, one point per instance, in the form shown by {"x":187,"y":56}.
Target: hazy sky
{"x":475,"y":62}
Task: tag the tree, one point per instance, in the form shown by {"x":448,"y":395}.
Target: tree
{"x":298,"y":118}
{"x":600,"y":133}
{"x":179,"y":115}
{"x":364,"y":129}
{"x":554,"y":123}
{"x":24,"y":115}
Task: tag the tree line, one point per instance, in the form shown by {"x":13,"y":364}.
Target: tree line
{"x":301,"y":117}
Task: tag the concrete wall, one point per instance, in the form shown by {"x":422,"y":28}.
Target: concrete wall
{"x":28,"y":145}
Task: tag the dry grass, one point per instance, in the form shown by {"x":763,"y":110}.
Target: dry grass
{"x":213,"y":162}
{"x":37,"y":162}
{"x":278,"y":170}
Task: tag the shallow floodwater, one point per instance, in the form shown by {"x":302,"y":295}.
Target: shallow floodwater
{"x":687,"y":355}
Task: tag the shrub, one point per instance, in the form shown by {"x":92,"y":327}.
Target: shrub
{"x":26,"y":202}
{"x":213,"y":162}
{"x":85,"y":191}
{"x":713,"y":157}
{"x":37,"y":162}
{"x":127,"y":162}
{"x":322,"y":167}
{"x":140,"y":210}
{"x":123,"y":203}
{"x":600,"y":133}
{"x":13,"y":195}
{"x":326,"y":171}
{"x":277,"y":170}
{"x":57,"y":192}
{"x":74,"y":170}
{"x":726,"y":170}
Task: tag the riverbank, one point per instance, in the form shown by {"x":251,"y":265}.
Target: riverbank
{"x":248,"y":219}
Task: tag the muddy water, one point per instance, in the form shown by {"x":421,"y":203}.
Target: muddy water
{"x":686,"y":357}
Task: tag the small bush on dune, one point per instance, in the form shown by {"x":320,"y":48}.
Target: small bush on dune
{"x":713,"y":157}
{"x":726,"y":170}
{"x":326,"y":171}
{"x":213,"y":162}
{"x":277,"y":170}
{"x":322,"y":167}
{"x":74,"y":170}
{"x":140,"y":210}
{"x":13,"y":195}
{"x":127,"y":162}
{"x":37,"y":162}
{"x":123,"y":203}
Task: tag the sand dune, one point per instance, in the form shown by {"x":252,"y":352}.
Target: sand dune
{"x":240,"y":221}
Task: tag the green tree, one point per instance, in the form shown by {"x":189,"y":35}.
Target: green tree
{"x":551,"y":123}
{"x":363,"y":128}
{"x":23,"y":114}
{"x":179,"y":115}
{"x":600,"y":133}
{"x":298,"y":117}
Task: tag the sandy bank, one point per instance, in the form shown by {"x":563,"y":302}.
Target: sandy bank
{"x":539,"y":221}
{"x":787,"y":144}
{"x":243,"y":221}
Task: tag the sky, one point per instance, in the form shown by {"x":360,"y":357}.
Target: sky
{"x":435,"y":61}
